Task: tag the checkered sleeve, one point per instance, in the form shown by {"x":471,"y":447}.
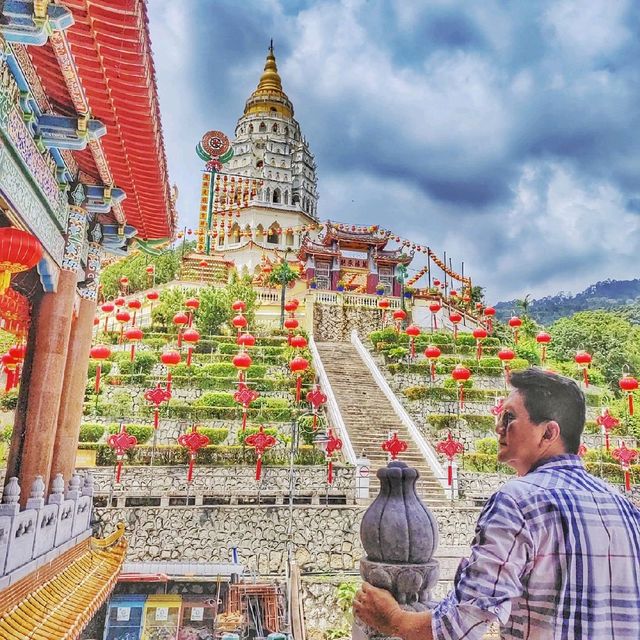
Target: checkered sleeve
{"x":486,"y":582}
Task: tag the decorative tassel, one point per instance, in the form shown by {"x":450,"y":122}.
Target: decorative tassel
{"x":435,"y":322}
{"x":244,"y":419}
{"x":189,"y":354}
{"x":455,"y":332}
{"x":585,"y":375}
{"x":515,"y":336}
{"x":98,"y":372}
{"x":106,"y":321}
{"x":433,"y":372}
{"x":450,"y":474}
{"x":259,"y":467}
{"x":133,"y":351}
{"x":543,"y":358}
{"x":179,"y":337}
{"x":156,"y":418}
{"x":298,"y":388}
{"x":330,"y":472}
{"x":169,"y":380}
{"x":631,"y":404}
{"x":461,"y":397}
{"x":133,"y":322}
{"x":315,"y":420}
{"x":413,"y":349}
{"x":192,"y":459}
{"x":627,"y":480}
{"x":479,"y":351}
{"x":507,"y":374}
{"x":118,"y":471}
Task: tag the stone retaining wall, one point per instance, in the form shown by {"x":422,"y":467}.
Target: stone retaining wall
{"x":334,"y":323}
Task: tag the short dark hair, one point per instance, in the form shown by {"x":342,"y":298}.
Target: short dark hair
{"x":549,"y":396}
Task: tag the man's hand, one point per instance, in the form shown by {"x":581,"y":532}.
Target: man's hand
{"x":377,"y":608}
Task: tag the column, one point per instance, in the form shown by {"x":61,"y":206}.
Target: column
{"x":372,"y":265}
{"x":76,"y":372}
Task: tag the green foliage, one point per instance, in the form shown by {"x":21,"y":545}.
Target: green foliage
{"x":171,"y":301}
{"x":91,"y":432}
{"x":488,"y":446}
{"x":216,"y":435}
{"x":397,"y":353}
{"x":484,"y":463}
{"x":142,"y":432}
{"x":212,"y":399}
{"x":136,"y":371}
{"x":5,"y":433}
{"x":420,"y":392}
{"x":104,"y":369}
{"x":9,"y":400}
{"x":249,"y":431}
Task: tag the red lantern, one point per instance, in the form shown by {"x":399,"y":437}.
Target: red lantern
{"x":157,"y":396}
{"x":150,"y":269}
{"x":180,"y":320}
{"x":316,"y":399}
{"x":506,"y":355}
{"x":628,"y":384}
{"x":192,"y":441}
{"x":290,"y":306}
{"x":239,"y":322}
{"x":192,"y":337}
{"x":479,"y":333}
{"x":242,"y":361}
{"x":607,"y":422}
{"x":122,"y":317}
{"x":515,"y":323}
{"x":460,"y":374}
{"x":296,"y":302}
{"x":10,"y":364}
{"x":121,"y":442}
{"x":19,"y":251}
{"x":583,"y":359}
{"x":17,"y":351}
{"x":152,"y":295}
{"x":436,"y":282}
{"x":107,"y":308}
{"x":290,"y":324}
{"x":384,"y":304}
{"x":246,"y":340}
{"x":298,"y":342}
{"x":450,"y":448}
{"x":170,"y":359}
{"x":399,"y":315}
{"x":489,"y":312}
{"x":99,"y":352}
{"x":124,"y":281}
{"x":133,"y":335}
{"x":455,"y":318}
{"x":245,"y":397}
{"x":202,"y":263}
{"x":394,"y":446}
{"x":432,"y":353}
{"x":298,"y":366}
{"x":135,"y":305}
{"x":239,"y":306}
{"x":119,"y":302}
{"x":260,"y":441}
{"x":543,"y":338}
{"x":434,"y":307}
{"x":332,"y":445}
{"x":625,"y":456}
{"x":193,"y":304}
{"x":413,"y":332}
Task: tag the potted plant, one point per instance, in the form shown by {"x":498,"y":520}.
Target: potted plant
{"x":341,"y":285}
{"x":379,"y":289}
{"x":408,"y":292}
{"x":313,"y":283}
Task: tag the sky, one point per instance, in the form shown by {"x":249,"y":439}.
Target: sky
{"x":504,"y":133}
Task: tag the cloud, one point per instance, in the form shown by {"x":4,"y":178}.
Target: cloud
{"x":503,"y":134}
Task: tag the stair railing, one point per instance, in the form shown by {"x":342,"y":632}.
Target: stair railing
{"x":333,"y":410}
{"x":425,"y":448}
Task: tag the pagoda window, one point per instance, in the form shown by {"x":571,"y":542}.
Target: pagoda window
{"x":263,"y":127}
{"x":277,"y":175}
{"x":260,"y":234}
{"x":247,"y":231}
{"x":273,"y":109}
{"x":276,"y":196}
{"x":286,"y":131}
{"x":259,"y":164}
{"x":274,"y":236}
{"x":220,"y":239}
{"x":274,"y":128}
{"x":295,"y":199}
{"x":268,"y":194}
{"x":286,"y":197}
{"x":288,"y":239}
{"x":250,"y":128}
{"x":234,"y":234}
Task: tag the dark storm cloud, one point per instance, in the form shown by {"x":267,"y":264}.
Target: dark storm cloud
{"x":514,"y":122}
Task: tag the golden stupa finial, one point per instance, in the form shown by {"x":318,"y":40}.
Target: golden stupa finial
{"x":269,"y":94}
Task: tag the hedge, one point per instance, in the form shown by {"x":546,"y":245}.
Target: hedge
{"x":249,"y":431}
{"x":442,"y":421}
{"x":91,"y":432}
{"x":216,"y":435}
{"x":5,"y":433}
{"x":484,"y":463}
{"x":142,"y":432}
{"x":9,"y":400}
{"x":420,"y":392}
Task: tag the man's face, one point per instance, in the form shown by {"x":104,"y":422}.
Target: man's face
{"x":520,"y":441}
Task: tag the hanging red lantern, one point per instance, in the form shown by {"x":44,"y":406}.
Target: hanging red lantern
{"x":413,"y":331}
{"x":460,"y":374}
{"x":192,"y":441}
{"x":242,"y":361}
{"x":434,"y":307}
{"x":19,"y":251}
{"x":260,"y":441}
{"x":432,"y":353}
{"x":480,"y":334}
{"x":628,"y":384}
{"x":239,"y":322}
{"x":245,"y":396}
{"x":17,"y":351}
{"x":133,"y":335}
{"x":332,"y":445}
{"x":450,"y":448}
{"x":607,"y":422}
{"x":489,"y":312}
{"x":394,"y":446}
{"x":119,"y":301}
{"x":290,"y":324}
{"x":152,"y":295}
{"x":316,"y":399}
{"x":436,"y":282}
{"x":121,"y":442}
{"x":384,"y":304}
{"x":135,"y":305}
{"x":399,"y":315}
{"x":124,"y":281}
{"x":298,"y":366}
{"x":191,"y":337}
{"x":296,"y":302}
{"x":156,"y":396}
{"x":455,"y":318}
{"x":515,"y":323}
{"x":170,"y":359}
{"x":202,"y":263}
{"x":99,"y":352}
{"x":150,"y":269}
{"x":543,"y":338}
{"x":9,"y":365}
{"x":193,"y":304}
{"x":246,"y":340}
{"x":583,"y":359}
{"x":239,"y":306}
{"x":180,"y":320}
{"x":625,"y":456}
{"x":298,"y":342}
{"x":122,"y":317}
{"x":506,"y":355}
{"x":290,"y":306}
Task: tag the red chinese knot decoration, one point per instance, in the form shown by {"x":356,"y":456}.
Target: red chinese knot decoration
{"x":121,"y":442}
{"x":625,"y":456}
{"x":245,"y":396}
{"x":394,"y":446}
{"x":316,"y":399}
{"x":333,"y":444}
{"x":192,"y":441}
{"x":156,"y":396}
{"x":608,"y":423}
{"x":260,"y":441}
{"x":450,"y":448}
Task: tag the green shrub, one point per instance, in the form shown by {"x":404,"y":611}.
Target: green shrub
{"x":105,"y":368}
{"x":138,"y":370}
{"x":5,"y":433}
{"x":91,"y":432}
{"x":484,"y":463}
{"x":421,"y":392}
{"x":487,"y":446}
{"x":249,"y":431}
{"x":212,"y":399}
{"x":9,"y":400}
{"x":142,"y":432}
{"x":480,"y":423}
{"x":216,"y":435}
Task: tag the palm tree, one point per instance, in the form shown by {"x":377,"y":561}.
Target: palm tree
{"x":282,"y":274}
{"x":524,"y":304}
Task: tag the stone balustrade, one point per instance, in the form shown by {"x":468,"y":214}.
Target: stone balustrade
{"x":44,"y":529}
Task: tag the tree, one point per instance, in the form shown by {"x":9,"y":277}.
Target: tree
{"x":282,"y":274}
{"x":477,"y":295}
{"x":523,"y":304}
{"x":170,"y":302}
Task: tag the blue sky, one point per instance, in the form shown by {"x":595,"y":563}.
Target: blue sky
{"x":504,"y":133}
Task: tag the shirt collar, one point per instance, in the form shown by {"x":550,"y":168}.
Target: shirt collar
{"x":564,"y":461}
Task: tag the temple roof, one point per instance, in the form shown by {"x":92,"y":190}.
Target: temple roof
{"x":308,"y":247}
{"x":61,"y":607}
{"x":394,"y":257}
{"x":269,"y":95}
{"x":110,"y":46}
{"x":352,"y":237}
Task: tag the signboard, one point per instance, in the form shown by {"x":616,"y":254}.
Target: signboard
{"x":197,"y":614}
{"x":123,"y":614}
{"x":162,"y":614}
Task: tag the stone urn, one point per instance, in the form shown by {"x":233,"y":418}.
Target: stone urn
{"x":399,"y":535}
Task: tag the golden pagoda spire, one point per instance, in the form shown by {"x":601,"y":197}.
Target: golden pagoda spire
{"x":269,"y":95}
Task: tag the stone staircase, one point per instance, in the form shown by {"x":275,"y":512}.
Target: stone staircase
{"x":370,"y":418}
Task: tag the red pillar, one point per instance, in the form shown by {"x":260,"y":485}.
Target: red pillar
{"x":41,"y":386}
{"x":73,"y":388}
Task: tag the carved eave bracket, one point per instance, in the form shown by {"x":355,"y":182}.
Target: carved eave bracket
{"x":31,"y":23}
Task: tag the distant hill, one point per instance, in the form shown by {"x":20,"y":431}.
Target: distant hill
{"x":620,"y":295}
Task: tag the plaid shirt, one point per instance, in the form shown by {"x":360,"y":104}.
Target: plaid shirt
{"x":556,"y":555}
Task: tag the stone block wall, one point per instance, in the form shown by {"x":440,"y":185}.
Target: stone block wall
{"x":334,"y":323}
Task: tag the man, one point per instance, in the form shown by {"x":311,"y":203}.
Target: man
{"x":556,"y":552}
